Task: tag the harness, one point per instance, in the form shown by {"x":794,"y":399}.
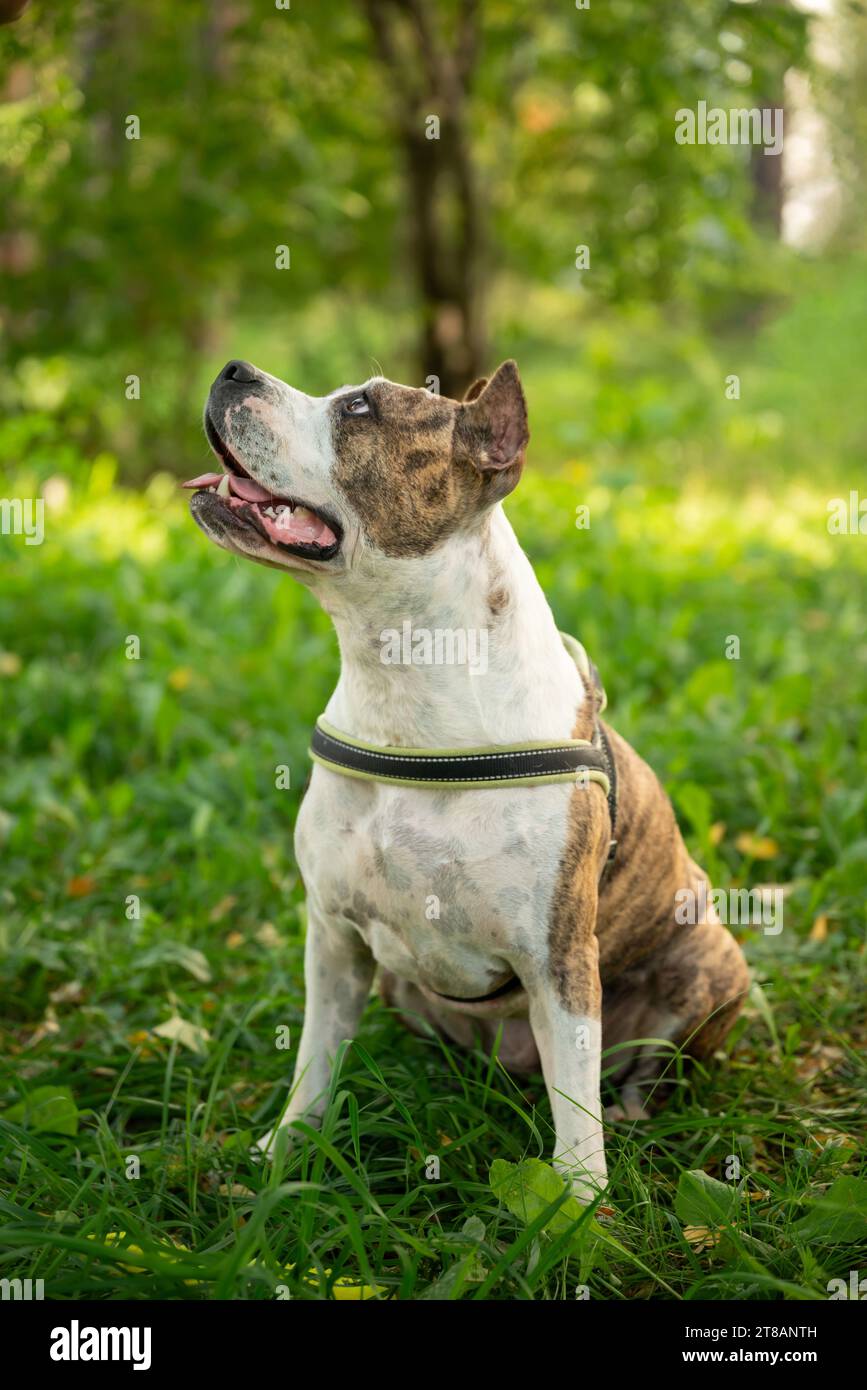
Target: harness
{"x":504,"y":765}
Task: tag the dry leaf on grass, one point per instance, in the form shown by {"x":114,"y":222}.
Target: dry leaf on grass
{"x":268,"y":935}
{"x":701,"y":1237}
{"x":219,"y":910}
{"x":757,"y":846}
{"x":80,"y":886}
{"x":189,"y":1035}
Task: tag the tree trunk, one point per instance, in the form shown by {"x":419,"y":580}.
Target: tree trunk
{"x":432,"y":79}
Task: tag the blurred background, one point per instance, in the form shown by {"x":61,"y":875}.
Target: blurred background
{"x":308,"y":128}
{"x":185,"y":183}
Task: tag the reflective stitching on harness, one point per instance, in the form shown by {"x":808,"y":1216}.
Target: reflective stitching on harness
{"x":594,"y":775}
{"x":459,"y":757}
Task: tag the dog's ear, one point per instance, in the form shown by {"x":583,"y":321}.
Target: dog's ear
{"x":491,"y":430}
{"x":476,"y":389}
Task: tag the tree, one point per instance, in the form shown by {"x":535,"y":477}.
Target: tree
{"x":431,"y":72}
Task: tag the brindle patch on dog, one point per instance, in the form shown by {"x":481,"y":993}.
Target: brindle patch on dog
{"x":699,"y":986}
{"x":420,"y":467}
{"x":572,"y":943}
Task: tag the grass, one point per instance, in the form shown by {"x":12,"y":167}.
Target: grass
{"x":149,"y":880}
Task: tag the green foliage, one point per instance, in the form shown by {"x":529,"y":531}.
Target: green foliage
{"x":48,"y":1109}
{"x":263,"y":128}
{"x":151,"y":915}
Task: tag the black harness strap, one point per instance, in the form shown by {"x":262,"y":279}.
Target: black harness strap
{"x":441,"y":769}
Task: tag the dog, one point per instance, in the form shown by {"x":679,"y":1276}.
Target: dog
{"x":486,"y":909}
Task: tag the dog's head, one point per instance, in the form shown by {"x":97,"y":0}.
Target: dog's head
{"x":311,"y":483}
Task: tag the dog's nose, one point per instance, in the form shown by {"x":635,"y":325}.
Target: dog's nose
{"x":239,"y":371}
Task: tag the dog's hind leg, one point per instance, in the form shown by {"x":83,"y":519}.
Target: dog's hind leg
{"x":688,"y":997}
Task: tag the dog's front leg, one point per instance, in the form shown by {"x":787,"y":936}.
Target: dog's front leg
{"x":565,"y":997}
{"x":569,"y":1038}
{"x":338,"y":972}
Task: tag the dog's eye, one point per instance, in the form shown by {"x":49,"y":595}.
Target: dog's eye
{"x":356,"y":405}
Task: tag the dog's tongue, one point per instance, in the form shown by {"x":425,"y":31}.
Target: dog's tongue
{"x":301,"y":527}
{"x":244,"y":488}
{"x":206,"y":480}
{"x":249,"y":491}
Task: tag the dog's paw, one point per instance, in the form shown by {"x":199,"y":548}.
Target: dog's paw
{"x":587,"y":1184}
{"x":266,"y":1147}
{"x":588,"y":1187}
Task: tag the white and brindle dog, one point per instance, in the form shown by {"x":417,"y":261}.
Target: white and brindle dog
{"x":385,"y":501}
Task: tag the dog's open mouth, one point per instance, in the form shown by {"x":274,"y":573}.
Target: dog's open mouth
{"x":284,"y":522}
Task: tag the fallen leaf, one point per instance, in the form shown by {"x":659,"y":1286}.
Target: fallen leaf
{"x":757,"y":846}
{"x":268,"y":935}
{"x":343,"y":1288}
{"x":822,"y":1057}
{"x":219,"y":910}
{"x":234,"y":940}
{"x":819,"y":929}
{"x":189,"y":1035}
{"x":701,"y":1237}
{"x":833,"y":1140}
{"x":10,"y":664}
{"x":70,"y":993}
{"x":113,"y":1238}
{"x":80,"y":886}
{"x":48,"y":1028}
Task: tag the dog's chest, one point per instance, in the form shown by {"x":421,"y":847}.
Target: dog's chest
{"x":448,"y":889}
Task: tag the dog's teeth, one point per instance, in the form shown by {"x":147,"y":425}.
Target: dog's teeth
{"x":212,"y":489}
{"x":269,"y":511}
{"x":304,"y":514}
{"x":223,"y":490}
